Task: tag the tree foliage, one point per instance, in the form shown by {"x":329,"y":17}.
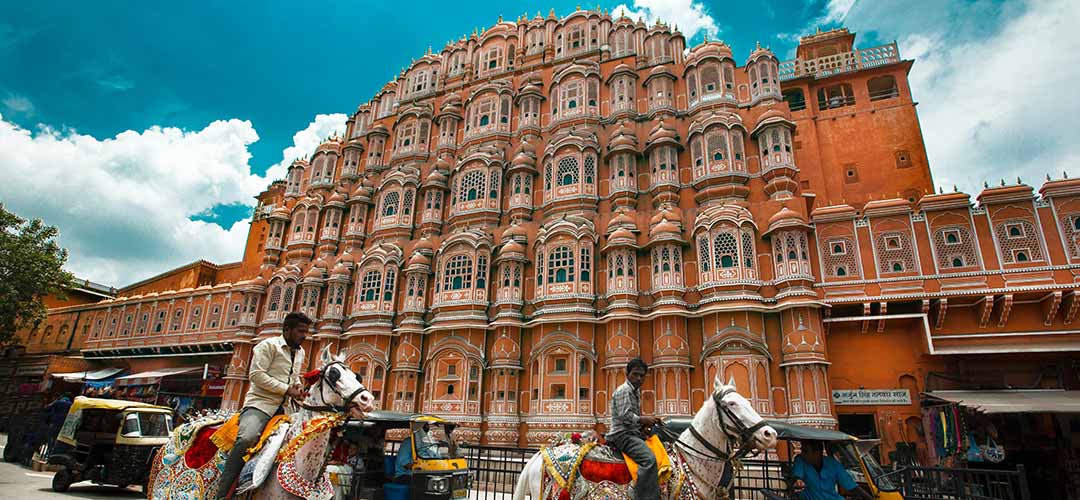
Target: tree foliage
{"x":31,"y":267}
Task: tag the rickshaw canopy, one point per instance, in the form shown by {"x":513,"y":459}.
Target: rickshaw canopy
{"x":74,"y":418}
{"x":790,"y":432}
{"x":386,"y":419}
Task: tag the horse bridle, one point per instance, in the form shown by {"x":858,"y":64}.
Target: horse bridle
{"x":742,"y":434}
{"x":324,"y":380}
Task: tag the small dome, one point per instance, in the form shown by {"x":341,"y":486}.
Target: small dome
{"x":515,"y":230}
{"x":621,"y":234}
{"x":423,"y":244}
{"x":436,"y":178}
{"x":769,"y":117}
{"x":661,"y":132}
{"x":419,"y":259}
{"x":337,"y":199}
{"x":442,"y":163}
{"x":663,"y":228}
{"x":512,"y":247}
{"x":260,"y":281}
{"x":531,"y":88}
{"x":622,"y":218}
{"x":660,"y":70}
{"x":280,"y":213}
{"x":346,"y":258}
{"x":361,"y":192}
{"x":340,"y":272}
{"x":313,"y":273}
{"x":786,"y":214}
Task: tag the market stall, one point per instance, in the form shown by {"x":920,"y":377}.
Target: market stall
{"x":1000,"y":429}
{"x":185,"y":389}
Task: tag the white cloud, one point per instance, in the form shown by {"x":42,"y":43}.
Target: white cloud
{"x":689,"y":16}
{"x":18,"y":104}
{"x":992,"y":84}
{"x":305,"y":141}
{"x":123,"y":204}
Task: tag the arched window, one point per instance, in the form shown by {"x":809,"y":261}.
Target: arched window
{"x":390,"y":203}
{"x":458,"y":273}
{"x":560,"y":265}
{"x":370,"y":284}
{"x":568,"y":171}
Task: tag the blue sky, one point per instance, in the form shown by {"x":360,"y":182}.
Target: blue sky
{"x":143,"y":131}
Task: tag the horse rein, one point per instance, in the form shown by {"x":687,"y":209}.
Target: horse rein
{"x":323,"y":382}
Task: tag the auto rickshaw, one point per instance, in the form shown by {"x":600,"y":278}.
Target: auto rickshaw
{"x":850,"y":451}
{"x":437,"y":471}
{"x":109,"y":441}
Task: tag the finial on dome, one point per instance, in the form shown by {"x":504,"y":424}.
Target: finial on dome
{"x":1064,"y":174}
{"x":939,"y":190}
{"x":757,"y":45}
{"x":1048,"y":177}
{"x":1003,"y":182}
{"x":986,"y":184}
{"x":1018,"y":181}
{"x":954,"y":189}
{"x":500,"y":18}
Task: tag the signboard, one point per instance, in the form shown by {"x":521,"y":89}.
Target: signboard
{"x":871,"y":396}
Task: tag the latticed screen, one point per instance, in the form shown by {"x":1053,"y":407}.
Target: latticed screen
{"x":560,"y":265}
{"x":471,"y":186}
{"x":839,"y":257}
{"x":568,"y":171}
{"x":590,"y":169}
{"x":390,"y":203}
{"x":1019,"y":242}
{"x":370,"y":284}
{"x":895,"y":254}
{"x":458,"y":273}
{"x":955,"y":247}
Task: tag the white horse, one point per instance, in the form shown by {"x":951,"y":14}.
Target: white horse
{"x":336,"y":392}
{"x":725,"y":427}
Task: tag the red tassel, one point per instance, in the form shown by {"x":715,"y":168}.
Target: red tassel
{"x":312,"y":376}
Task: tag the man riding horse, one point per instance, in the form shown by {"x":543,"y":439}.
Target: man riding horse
{"x":276,"y":364}
{"x":629,"y":428}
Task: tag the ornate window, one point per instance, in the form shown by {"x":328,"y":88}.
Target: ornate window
{"x":775,"y":144}
{"x":560,"y":266}
{"x":529,"y":112}
{"x":621,"y":271}
{"x":622,"y":168}
{"x":726,"y":253}
{"x":764,"y":81}
{"x":576,"y":96}
{"x":490,"y":113}
{"x":412,"y":136}
{"x":396,"y":206}
{"x":840,"y":258}
{"x":661,"y":92}
{"x":296,"y":173}
{"x":622,"y":94}
{"x":667,"y":267}
{"x":475,"y":187}
{"x":463,"y":275}
{"x":574,"y":174}
{"x":370,"y":284}
{"x":665,"y":165}
{"x":376,"y":145}
{"x":491,"y":60}
{"x":791,"y":254}
{"x":534,"y":42}
{"x":955,"y":248}
{"x":710,"y":80}
{"x":717,"y":152}
{"x":657,"y":50}
{"x":622,"y":43}
{"x":510,"y":288}
{"x":1070,"y":227}
{"x":1019,"y":242}
{"x":895,"y":253}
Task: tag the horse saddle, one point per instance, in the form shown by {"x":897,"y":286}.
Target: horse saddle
{"x":597,"y":463}
{"x":220,"y":435}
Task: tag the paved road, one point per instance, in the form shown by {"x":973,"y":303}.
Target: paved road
{"x":18,"y":482}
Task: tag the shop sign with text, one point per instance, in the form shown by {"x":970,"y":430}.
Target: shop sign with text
{"x":871,"y":396}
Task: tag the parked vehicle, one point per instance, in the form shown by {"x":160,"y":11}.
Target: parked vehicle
{"x":437,"y":472}
{"x":109,"y":441}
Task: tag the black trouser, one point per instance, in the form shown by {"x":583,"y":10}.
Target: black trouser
{"x":648,"y":476}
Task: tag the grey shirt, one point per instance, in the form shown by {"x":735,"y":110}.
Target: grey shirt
{"x":625,"y":410}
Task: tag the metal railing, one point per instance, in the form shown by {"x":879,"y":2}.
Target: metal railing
{"x":823,"y":67}
{"x":495,"y":470}
{"x":935,"y":483}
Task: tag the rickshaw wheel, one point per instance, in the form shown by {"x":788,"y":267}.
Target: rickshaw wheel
{"x":61,"y":480}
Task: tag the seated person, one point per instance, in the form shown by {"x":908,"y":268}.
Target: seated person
{"x":425,"y":448}
{"x":818,"y":476}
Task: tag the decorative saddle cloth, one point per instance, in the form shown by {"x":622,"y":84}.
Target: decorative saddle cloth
{"x":225,"y":435}
{"x":599,"y":463}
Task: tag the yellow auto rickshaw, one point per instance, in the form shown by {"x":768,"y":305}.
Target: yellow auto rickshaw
{"x":109,"y":441}
{"x":425,"y":466}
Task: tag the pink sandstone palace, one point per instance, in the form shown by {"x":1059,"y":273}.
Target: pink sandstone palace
{"x":511,"y":219}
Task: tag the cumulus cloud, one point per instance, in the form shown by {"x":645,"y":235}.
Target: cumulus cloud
{"x":124,"y":204}
{"x":691,"y":17}
{"x":991,"y":83}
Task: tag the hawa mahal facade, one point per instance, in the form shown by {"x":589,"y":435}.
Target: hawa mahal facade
{"x":510,"y":220}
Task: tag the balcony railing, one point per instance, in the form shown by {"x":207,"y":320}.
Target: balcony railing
{"x":824,"y":67}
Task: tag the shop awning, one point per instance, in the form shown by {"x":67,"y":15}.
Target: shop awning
{"x":91,"y":376}
{"x":1014,"y":401}
{"x":154,"y":376}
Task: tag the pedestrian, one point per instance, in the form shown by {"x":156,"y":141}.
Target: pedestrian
{"x":55,"y":413}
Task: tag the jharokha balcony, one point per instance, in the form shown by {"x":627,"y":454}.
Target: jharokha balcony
{"x":845,"y":62}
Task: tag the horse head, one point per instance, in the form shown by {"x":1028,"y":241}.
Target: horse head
{"x":334,"y":386}
{"x":736,"y":418}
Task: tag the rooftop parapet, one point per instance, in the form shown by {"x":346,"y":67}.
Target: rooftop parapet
{"x":844,"y":62}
